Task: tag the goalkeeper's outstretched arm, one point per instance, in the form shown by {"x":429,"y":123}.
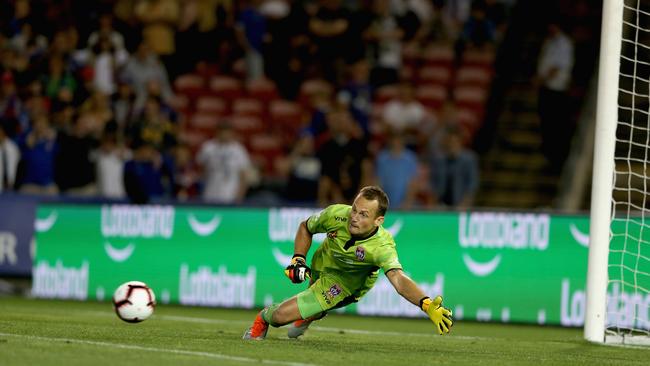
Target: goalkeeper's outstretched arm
{"x":408,"y":289}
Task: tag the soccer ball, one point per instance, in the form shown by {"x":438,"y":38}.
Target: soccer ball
{"x":134,"y":301}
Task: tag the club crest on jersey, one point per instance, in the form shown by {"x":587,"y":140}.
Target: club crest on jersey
{"x":332,"y":234}
{"x":334,"y":291}
{"x":360,"y":253}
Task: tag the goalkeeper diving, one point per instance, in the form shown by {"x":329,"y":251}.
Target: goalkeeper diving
{"x":344,"y":268}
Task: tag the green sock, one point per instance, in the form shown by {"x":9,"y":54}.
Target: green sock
{"x":267,"y":313}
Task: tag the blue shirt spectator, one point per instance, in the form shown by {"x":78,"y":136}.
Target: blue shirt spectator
{"x":396,"y":169}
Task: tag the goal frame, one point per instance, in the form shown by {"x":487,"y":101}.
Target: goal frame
{"x":603,"y":170}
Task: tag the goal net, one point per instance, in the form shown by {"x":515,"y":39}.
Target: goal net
{"x":618,"y":286}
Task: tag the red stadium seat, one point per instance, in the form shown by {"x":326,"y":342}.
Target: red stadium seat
{"x":285,"y":113}
{"x":434,"y":75}
{"x":386,"y":93}
{"x":311,"y":87}
{"x":189,"y":83}
{"x":437,"y":55}
{"x":431,"y":95}
{"x":267,"y":148}
{"x":204,"y":122}
{"x":262,"y":89}
{"x":248,"y":107}
{"x":472,"y":75}
{"x":226,"y":87}
{"x":211,"y":105}
{"x":484,"y":58}
{"x":246,"y":125}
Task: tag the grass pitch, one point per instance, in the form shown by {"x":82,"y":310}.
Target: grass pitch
{"x":39,"y":332}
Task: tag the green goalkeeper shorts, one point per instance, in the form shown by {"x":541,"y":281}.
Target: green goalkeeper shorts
{"x":324,"y":294}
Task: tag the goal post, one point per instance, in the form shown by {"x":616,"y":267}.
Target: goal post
{"x":619,"y":250}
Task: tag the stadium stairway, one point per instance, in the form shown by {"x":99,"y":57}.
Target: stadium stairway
{"x":514,"y":173}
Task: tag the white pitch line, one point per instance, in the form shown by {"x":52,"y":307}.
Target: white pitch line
{"x":314,"y":327}
{"x":154,"y":349}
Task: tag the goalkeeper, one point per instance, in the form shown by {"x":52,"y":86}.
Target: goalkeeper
{"x":344,"y":267}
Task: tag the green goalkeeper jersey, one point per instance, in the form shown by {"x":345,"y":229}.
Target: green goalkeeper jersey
{"x":353,"y":261}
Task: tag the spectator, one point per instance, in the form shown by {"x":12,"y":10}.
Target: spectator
{"x":110,"y":160}
{"x":554,"y":69}
{"x":159,"y":19}
{"x":385,"y":36}
{"x":154,"y":127}
{"x":478,"y":32}
{"x":328,"y":28}
{"x":74,"y":171}
{"x":304,"y":172}
{"x":106,"y":60}
{"x":39,"y":148}
{"x":122,"y":106}
{"x":251,"y":29}
{"x":397,"y":168}
{"x":454,"y":172}
{"x":11,"y":107}
{"x":106,"y":31}
{"x":186,"y":177}
{"x":405,"y":115}
{"x":9,"y":158}
{"x":143,"y":69}
{"x":145,"y":172}
{"x":58,"y":80}
{"x":96,"y":113}
{"x":341,"y":156}
{"x":225,"y":164}
{"x":357,"y":93}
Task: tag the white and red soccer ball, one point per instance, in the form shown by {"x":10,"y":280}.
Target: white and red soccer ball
{"x":134,"y":301}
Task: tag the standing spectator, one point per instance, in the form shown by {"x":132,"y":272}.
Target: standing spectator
{"x":304,"y":172}
{"x":110,"y":159}
{"x":9,"y":158}
{"x":186,"y":176}
{"x":145,"y":172}
{"x":106,"y":60}
{"x":478,"y":32}
{"x":386,"y":37}
{"x":143,"y":69}
{"x":397,"y":168}
{"x":328,"y":28}
{"x":107,"y":31}
{"x":251,"y":29}
{"x":454,"y":172}
{"x":406,"y":115}
{"x":74,"y":170}
{"x":357,"y":94}
{"x":554,"y":69}
{"x":341,"y":156}
{"x":159,"y":19}
{"x":58,"y":80}
{"x":39,"y":148}
{"x":225,"y":164}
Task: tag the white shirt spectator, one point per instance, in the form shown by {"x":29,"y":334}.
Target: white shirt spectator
{"x":224,"y":164}
{"x":557,"y":53}
{"x":110,"y":172}
{"x":9,"y":158}
{"x":400,"y":116}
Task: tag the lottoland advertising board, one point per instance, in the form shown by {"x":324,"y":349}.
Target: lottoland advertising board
{"x":489,"y":266}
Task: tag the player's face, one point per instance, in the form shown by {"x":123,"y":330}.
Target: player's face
{"x":363,"y":216}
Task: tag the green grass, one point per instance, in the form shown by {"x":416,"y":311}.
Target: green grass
{"x":39,"y":332}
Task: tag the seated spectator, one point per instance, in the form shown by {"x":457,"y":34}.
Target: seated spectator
{"x":396,"y":168}
{"x":225,"y":164}
{"x":110,"y":159}
{"x":146,"y":173}
{"x":454,"y":172}
{"x":105,"y":61}
{"x":478,"y":32}
{"x":39,"y":148}
{"x":9,"y":158}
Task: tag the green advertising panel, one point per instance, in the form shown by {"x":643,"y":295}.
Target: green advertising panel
{"x":505,"y":267}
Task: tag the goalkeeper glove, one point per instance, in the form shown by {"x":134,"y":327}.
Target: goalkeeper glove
{"x":298,"y":271}
{"x":439,"y":315}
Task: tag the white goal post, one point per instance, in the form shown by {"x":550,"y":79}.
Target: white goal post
{"x":618,"y":275}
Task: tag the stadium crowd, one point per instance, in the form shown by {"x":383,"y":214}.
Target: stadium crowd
{"x":260,"y":101}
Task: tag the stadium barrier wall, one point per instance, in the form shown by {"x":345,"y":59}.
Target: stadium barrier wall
{"x":17,"y":215}
{"x":489,"y":266}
